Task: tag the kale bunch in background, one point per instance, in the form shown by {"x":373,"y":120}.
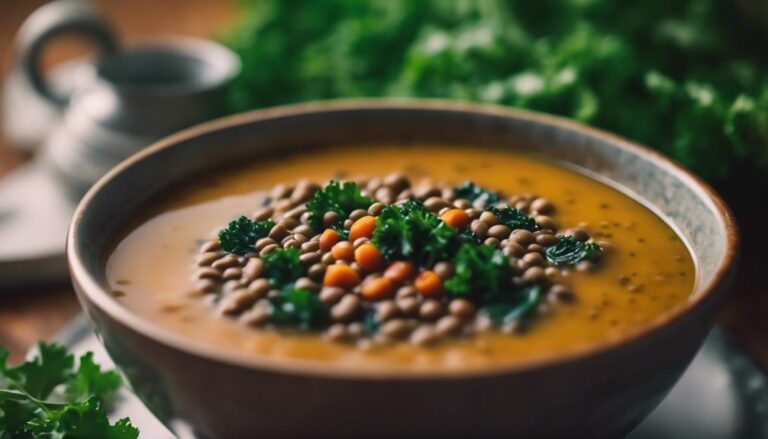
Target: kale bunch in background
{"x":48,"y":397}
{"x":686,"y":77}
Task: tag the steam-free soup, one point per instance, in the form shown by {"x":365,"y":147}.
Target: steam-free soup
{"x":637,"y":270}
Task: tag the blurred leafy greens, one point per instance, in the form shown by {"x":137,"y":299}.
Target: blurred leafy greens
{"x":685,"y":77}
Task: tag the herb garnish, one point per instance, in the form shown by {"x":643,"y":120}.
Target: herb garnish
{"x":479,"y":269}
{"x":282,"y":266}
{"x":410,"y":232}
{"x":341,"y":198}
{"x":514,"y":218}
{"x":570,"y":251}
{"x":523,"y":302}
{"x":472,"y":192}
{"x":46,"y":397}
{"x":241,"y":234}
{"x":301,"y":307}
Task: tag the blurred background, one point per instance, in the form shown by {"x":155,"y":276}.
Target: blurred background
{"x":686,"y":77}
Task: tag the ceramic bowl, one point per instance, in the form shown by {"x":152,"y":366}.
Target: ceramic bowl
{"x":603,"y":392}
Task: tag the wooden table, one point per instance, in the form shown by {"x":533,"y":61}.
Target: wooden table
{"x":29,"y":315}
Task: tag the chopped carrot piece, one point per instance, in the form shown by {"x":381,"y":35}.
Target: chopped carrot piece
{"x":456,"y":218}
{"x":369,"y":258}
{"x":362,"y":228}
{"x":400,"y":271}
{"x":379,"y":288}
{"x":429,"y":284}
{"x":343,"y":250}
{"x":341,"y":275}
{"x":328,"y":239}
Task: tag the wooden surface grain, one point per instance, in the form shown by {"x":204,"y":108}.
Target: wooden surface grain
{"x":29,"y":315}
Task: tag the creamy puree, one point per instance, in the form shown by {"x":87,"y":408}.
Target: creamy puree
{"x":647,"y":272}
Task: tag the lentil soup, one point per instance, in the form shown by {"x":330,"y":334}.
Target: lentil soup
{"x":172,"y":270}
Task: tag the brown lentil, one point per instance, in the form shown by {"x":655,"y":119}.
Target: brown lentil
{"x":386,"y":310}
{"x":225,"y":262}
{"x":534,"y":275}
{"x":259,"y":287}
{"x":331,"y":295}
{"x":489,"y":219}
{"x":499,"y":231}
{"x":479,"y":228}
{"x":448,"y":325}
{"x":443,"y":269}
{"x":207,"y":273}
{"x":408,"y":305}
{"x":256,"y":316}
{"x":542,"y":205}
{"x":330,"y":218}
{"x":396,"y":328}
{"x":522,"y":237}
{"x":232,"y":273}
{"x":461,"y":308}
{"x":431,"y":309}
{"x":492,"y":242}
{"x":210,"y":246}
{"x":266,"y":250}
{"x":424,"y":335}
{"x":346,"y":308}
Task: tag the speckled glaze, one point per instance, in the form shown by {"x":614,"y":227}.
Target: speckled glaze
{"x":603,"y":392}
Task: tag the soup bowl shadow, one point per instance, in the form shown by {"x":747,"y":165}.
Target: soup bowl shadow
{"x":601,"y":392}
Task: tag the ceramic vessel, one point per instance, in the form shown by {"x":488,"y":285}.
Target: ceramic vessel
{"x":602,"y":392}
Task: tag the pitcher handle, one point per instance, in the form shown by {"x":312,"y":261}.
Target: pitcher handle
{"x":52,"y":20}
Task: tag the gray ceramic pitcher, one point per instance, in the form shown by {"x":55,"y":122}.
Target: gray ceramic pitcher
{"x":126,"y":97}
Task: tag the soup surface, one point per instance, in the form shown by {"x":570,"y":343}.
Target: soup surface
{"x":646,"y":273}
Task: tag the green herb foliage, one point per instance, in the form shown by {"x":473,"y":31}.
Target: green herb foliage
{"x":410,"y":232}
{"x":686,"y":77}
{"x":46,"y":397}
{"x":282,"y":266}
{"x":515,"y":307}
{"x":241,"y":234}
{"x":300,"y":307}
{"x":570,"y":251}
{"x":472,"y":192}
{"x":479,"y":269}
{"x":341,"y":198}
{"x":514,"y":218}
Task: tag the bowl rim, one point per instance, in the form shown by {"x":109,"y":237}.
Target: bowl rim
{"x":90,"y":289}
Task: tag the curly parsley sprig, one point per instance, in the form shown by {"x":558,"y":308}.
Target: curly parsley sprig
{"x":47,"y":397}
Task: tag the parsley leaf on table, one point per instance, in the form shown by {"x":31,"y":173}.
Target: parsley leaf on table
{"x":46,"y":397}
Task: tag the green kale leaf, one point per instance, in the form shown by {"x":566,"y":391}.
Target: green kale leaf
{"x":341,"y":198}
{"x":514,"y":218}
{"x":410,"y":232}
{"x":241,"y":234}
{"x":515,"y":306}
{"x":300,"y":307}
{"x":570,"y":251}
{"x":282,"y":267}
{"x":479,"y":270}
{"x":472,"y":192}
